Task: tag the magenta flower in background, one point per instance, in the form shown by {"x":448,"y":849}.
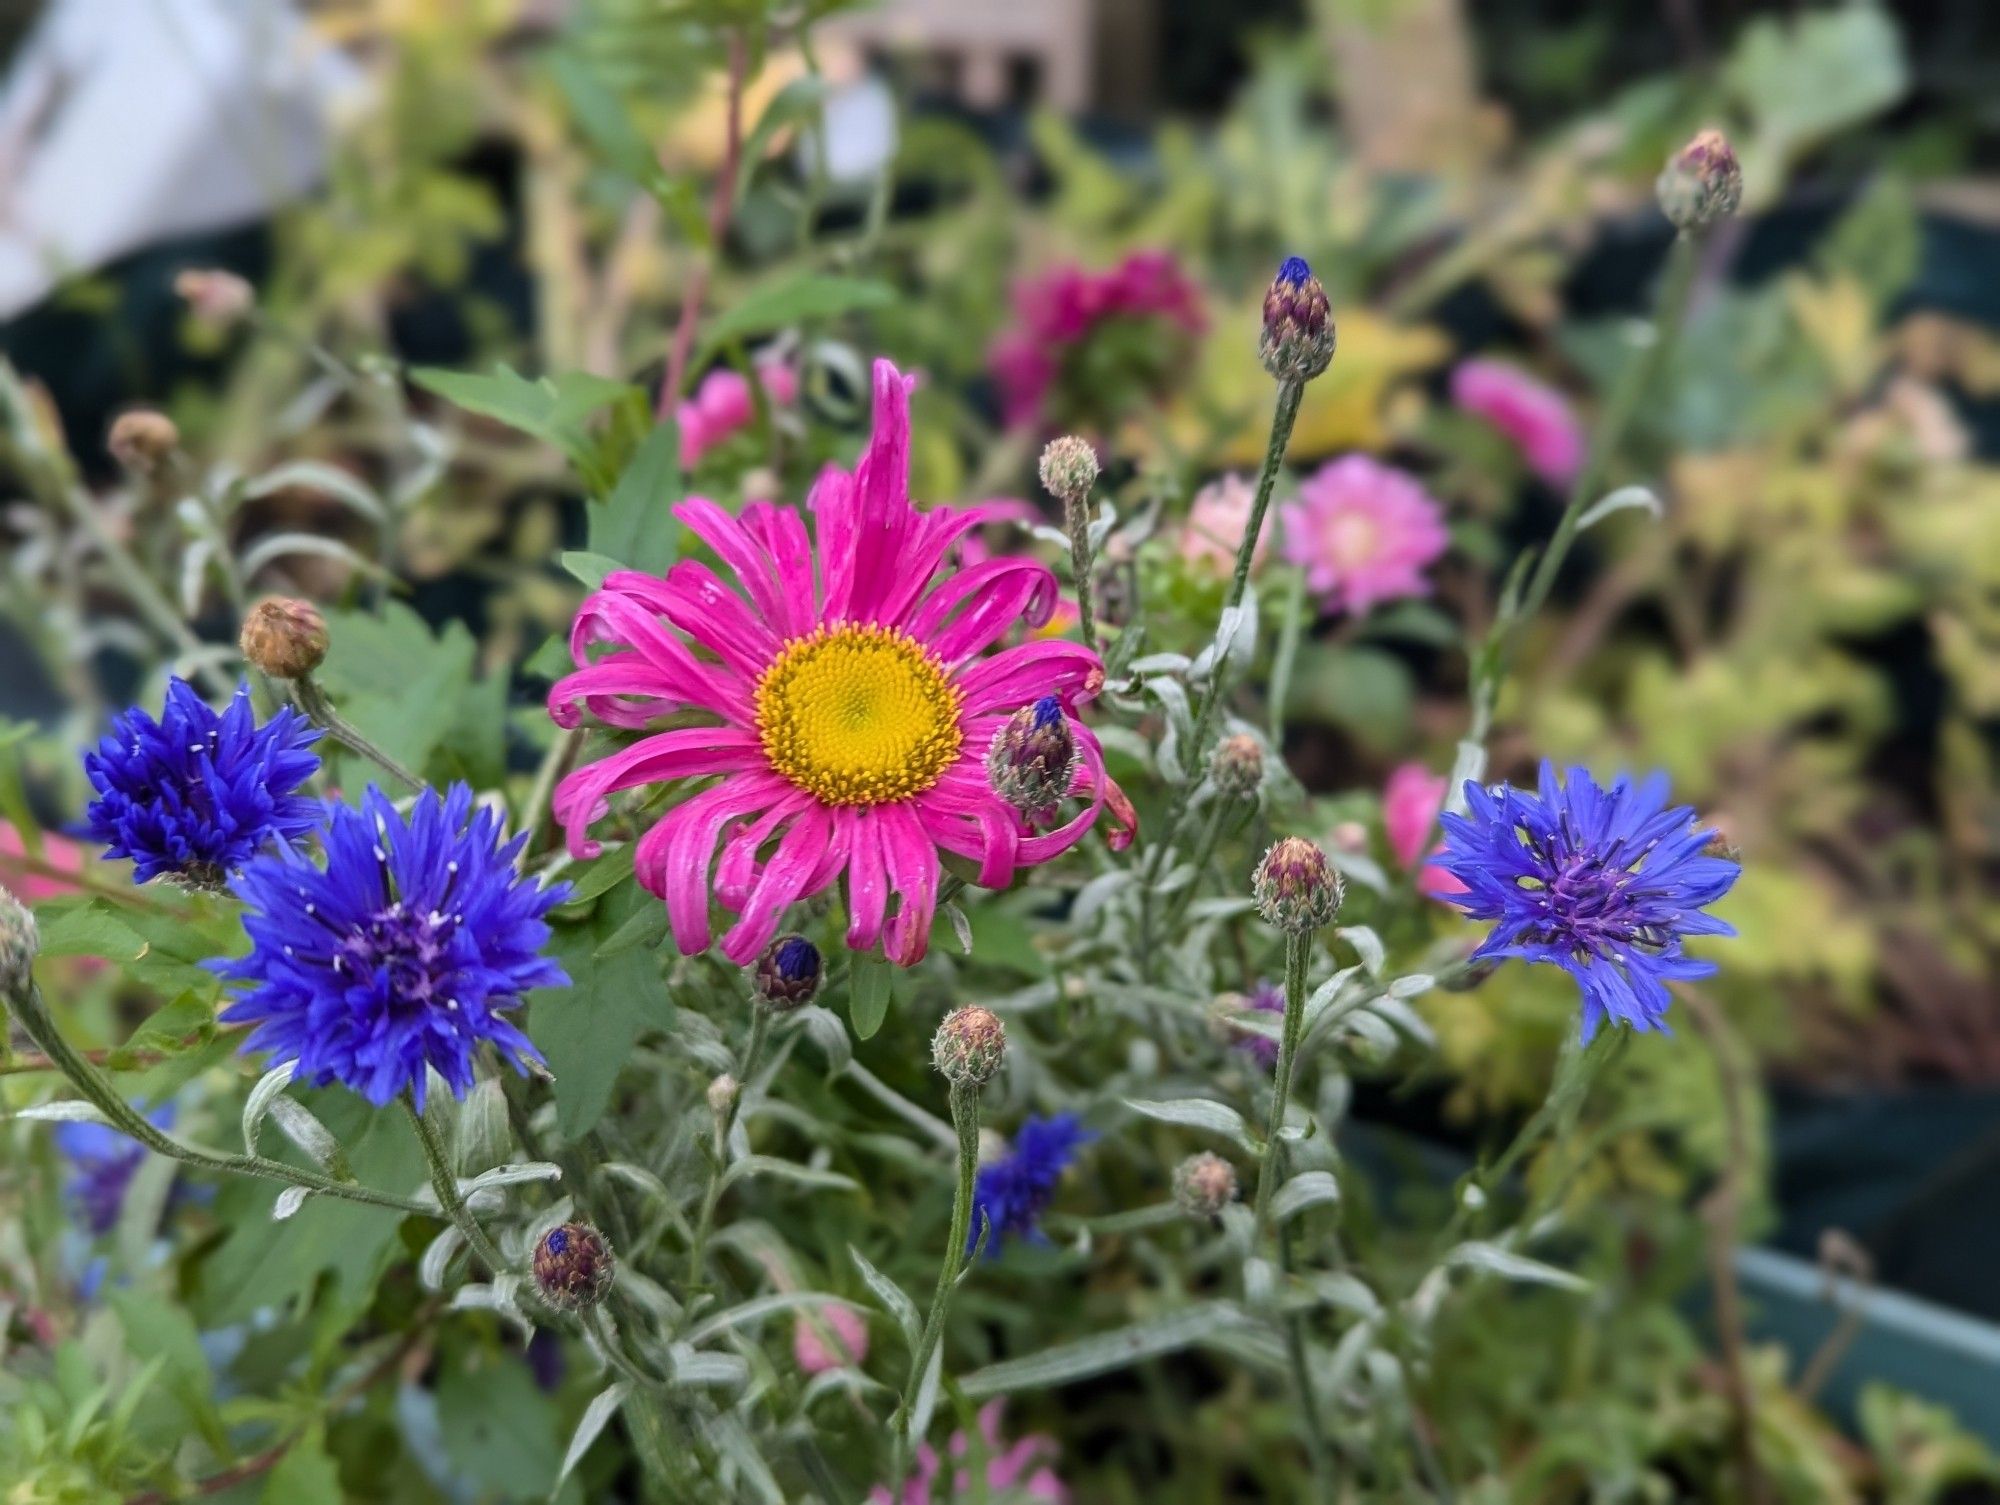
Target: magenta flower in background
{"x":1265,"y":998}
{"x":851,"y":700}
{"x":1411,"y":801}
{"x":724,"y":405}
{"x":1058,"y":311}
{"x":1364,"y":533}
{"x":1217,"y":520}
{"x":829,"y":1337}
{"x":1016,"y":1471}
{"x":1534,"y":416}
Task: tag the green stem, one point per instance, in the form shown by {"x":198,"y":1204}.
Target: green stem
{"x":964,"y":1118}
{"x":40,"y":1027}
{"x":1204,"y":849}
{"x":1076,"y":514}
{"x":313,"y":701}
{"x":1298,"y":949}
{"x":760,"y":1029}
{"x":444,"y":1179}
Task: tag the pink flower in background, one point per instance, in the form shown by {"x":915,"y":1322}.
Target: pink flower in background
{"x":1411,"y":801}
{"x":850,"y":701}
{"x":1022,"y":1468}
{"x":1533,"y":415}
{"x":1217,"y":521}
{"x":58,"y":852}
{"x":1364,"y":533}
{"x":723,"y":405}
{"x":829,"y":1337}
{"x":1062,"y":307}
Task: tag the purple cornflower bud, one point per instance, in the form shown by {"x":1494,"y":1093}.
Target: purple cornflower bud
{"x":1297,"y":890}
{"x":573,"y":1267}
{"x":1069,"y":469}
{"x":283,"y":637}
{"x":969,"y":1046}
{"x":1701,"y":182}
{"x":787,"y":974}
{"x":1032,"y":761}
{"x":1298,"y":339}
{"x":1237,"y":766}
{"x":1204,"y":1184}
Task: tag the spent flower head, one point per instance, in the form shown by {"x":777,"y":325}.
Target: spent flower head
{"x":1297,"y":889}
{"x":141,"y":440}
{"x":284,"y":637}
{"x":1069,"y":469}
{"x":1297,"y":340}
{"x":1701,"y":183}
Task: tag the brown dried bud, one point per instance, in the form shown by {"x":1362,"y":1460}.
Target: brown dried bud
{"x":142,"y":439}
{"x":284,"y":638}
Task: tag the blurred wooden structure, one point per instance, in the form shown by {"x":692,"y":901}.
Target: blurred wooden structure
{"x":988,"y":54}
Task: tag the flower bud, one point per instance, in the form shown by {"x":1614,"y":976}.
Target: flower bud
{"x":19,"y":941}
{"x":970,"y":1045}
{"x":1204,"y":1184}
{"x":1297,"y":889}
{"x":787,"y":974}
{"x":1237,"y":766}
{"x":1701,"y":182}
{"x":1298,"y":338}
{"x":1069,"y":469}
{"x":573,"y":1267}
{"x":142,"y":439}
{"x":722,"y":1094}
{"x":1032,"y":761}
{"x":284,"y":638}
{"x":215,"y":297}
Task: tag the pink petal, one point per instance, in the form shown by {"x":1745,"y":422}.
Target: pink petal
{"x":674,"y":857}
{"x":867,"y":880}
{"x":780,"y":882}
{"x":582,"y":797}
{"x":912,"y":864}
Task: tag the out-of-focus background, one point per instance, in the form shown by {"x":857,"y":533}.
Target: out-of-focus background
{"x":1808,"y":640}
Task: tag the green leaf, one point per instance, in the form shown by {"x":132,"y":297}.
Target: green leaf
{"x":867,"y":992}
{"x":586,"y":1031}
{"x":782,"y":305}
{"x":411,"y":691}
{"x":161,"y":1329}
{"x":89,"y":929}
{"x":635,"y":525}
{"x":305,"y":1475}
{"x":600,"y":114}
{"x":499,"y":1430}
{"x":1198,"y":1113}
{"x":590,"y":568}
{"x":1105,"y":1352}
{"x":556,"y":409}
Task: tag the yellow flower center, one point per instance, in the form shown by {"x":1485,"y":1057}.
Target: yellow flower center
{"x":858,"y":715}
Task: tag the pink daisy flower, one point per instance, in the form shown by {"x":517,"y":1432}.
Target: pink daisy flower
{"x":723,"y":405}
{"x":1217,"y":520}
{"x":1411,"y":801}
{"x":1020,"y":1467}
{"x":850,"y":700}
{"x":1364,"y":533}
{"x":1534,"y":416}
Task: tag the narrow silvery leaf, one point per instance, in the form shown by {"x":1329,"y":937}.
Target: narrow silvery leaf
{"x":308,"y":1133}
{"x":327,"y":480}
{"x":70,"y":1110}
{"x":290,"y":1200}
{"x":482,"y":1139}
{"x":1367,"y":944}
{"x":1415,"y":985}
{"x":269,"y":1085}
{"x":1469,"y":767}
{"x":747,"y":1459}
{"x":1338,"y":1289}
{"x":1198,"y":1113}
{"x":1402,"y":1016}
{"x":1624,"y":498}
{"x":726,"y":1369}
{"x":437,"y":1258}
{"x":760,"y":1307}
{"x":1356,"y":868}
{"x":824,"y":1028}
{"x":1260,"y":1281}
{"x":1494,"y":1260}
{"x":1105,"y":1352}
{"x":1348,"y":1353}
{"x":594,"y":1418}
{"x":1159,"y":663}
{"x":1307,"y":1189}
{"x":960,"y":927}
{"x":277,"y":545}
{"x":1095,"y":894}
{"x":894,"y":1302}
{"x":1100,"y":528}
{"x":787,"y":1170}
{"x":511,"y":1175}
{"x":927,"y":1393}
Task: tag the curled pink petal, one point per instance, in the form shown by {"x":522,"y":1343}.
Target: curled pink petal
{"x":1535,"y":417}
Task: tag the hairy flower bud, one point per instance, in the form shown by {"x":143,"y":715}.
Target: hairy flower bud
{"x":1032,"y":760}
{"x":1069,"y":469}
{"x":1204,"y":1184}
{"x":722,"y":1094}
{"x":1298,"y":338}
{"x":1297,"y":889}
{"x":970,"y":1045}
{"x":215,"y":297}
{"x":787,"y":974}
{"x":142,"y":439}
{"x":283,"y":637}
{"x":1237,"y":766}
{"x":19,"y":941}
{"x":1701,"y":182}
{"x":573,"y":1267}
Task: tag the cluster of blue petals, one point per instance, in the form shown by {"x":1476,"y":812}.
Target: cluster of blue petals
{"x":1605,"y":883}
{"x":196,"y":794}
{"x":104,"y":1160}
{"x":405,"y":950}
{"x":1012,"y":1192}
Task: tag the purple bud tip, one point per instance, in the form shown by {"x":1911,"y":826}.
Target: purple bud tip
{"x":797,"y":959}
{"x":1294,"y":272}
{"x":1048,"y":711}
{"x":558,"y":1241}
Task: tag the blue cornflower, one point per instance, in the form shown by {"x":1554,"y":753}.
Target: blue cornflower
{"x":1605,"y":883}
{"x":1265,"y":998}
{"x":403,"y":951}
{"x":1012,"y":1191}
{"x":106,"y":1160}
{"x":196,"y":793}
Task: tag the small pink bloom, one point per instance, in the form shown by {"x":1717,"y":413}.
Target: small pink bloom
{"x":1217,"y":521}
{"x":1022,"y":1467}
{"x":58,"y":852}
{"x":829,"y":1337}
{"x":847,"y":688}
{"x":1364,"y":533}
{"x":723,"y":405}
{"x":1411,"y":801}
{"x":1533,"y":415}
